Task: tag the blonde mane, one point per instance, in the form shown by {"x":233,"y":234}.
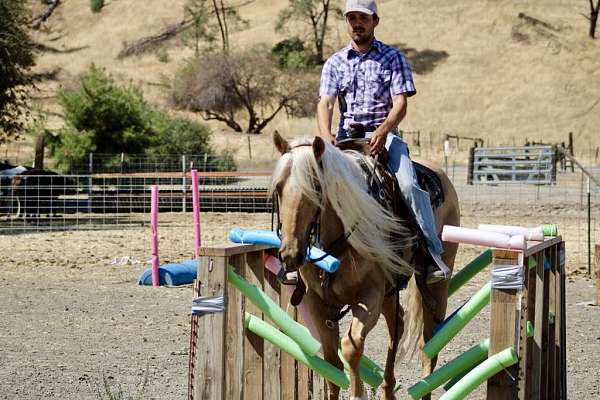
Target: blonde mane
{"x":340,"y":183}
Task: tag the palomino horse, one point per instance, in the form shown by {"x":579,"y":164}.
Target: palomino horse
{"x":315,"y":181}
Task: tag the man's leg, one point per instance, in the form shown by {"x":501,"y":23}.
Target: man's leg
{"x":416,"y":198}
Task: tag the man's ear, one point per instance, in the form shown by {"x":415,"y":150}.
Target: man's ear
{"x":318,"y":147}
{"x":280,"y":143}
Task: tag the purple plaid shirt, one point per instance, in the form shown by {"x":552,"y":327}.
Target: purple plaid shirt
{"x":366,"y":83}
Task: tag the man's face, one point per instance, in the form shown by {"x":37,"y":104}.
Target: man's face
{"x":361,"y":26}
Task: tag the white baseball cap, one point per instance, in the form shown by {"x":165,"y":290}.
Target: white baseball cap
{"x":363,"y":6}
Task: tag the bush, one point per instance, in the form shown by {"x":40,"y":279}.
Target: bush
{"x":96,"y":5}
{"x":103,"y":117}
{"x":290,"y":54}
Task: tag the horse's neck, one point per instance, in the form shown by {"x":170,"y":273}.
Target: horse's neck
{"x":331,"y":226}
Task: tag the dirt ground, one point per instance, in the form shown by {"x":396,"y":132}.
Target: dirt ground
{"x":72,"y":318}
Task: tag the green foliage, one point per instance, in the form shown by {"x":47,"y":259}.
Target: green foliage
{"x":103,"y":117}
{"x":310,"y":18}
{"x":290,"y":54}
{"x":16,"y":57}
{"x":96,"y":5}
{"x":110,"y":391}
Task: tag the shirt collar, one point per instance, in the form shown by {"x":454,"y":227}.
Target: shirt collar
{"x":350,"y":52}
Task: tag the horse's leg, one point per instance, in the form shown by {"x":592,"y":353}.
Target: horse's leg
{"x":365,"y":314}
{"x":330,"y":337}
{"x":431,"y":318}
{"x":393,"y":313}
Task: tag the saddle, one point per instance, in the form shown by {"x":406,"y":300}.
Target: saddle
{"x":383,"y":183}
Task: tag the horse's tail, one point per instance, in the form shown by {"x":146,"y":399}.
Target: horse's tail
{"x":413,"y":322}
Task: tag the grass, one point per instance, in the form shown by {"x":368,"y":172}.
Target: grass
{"x":108,"y":390}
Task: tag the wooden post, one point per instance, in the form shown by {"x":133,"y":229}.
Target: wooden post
{"x":504,"y":326}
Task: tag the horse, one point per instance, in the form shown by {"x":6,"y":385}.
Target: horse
{"x":315,"y":181}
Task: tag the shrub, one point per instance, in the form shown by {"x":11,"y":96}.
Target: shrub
{"x":96,"y":5}
{"x":103,"y":117}
{"x":290,"y":54}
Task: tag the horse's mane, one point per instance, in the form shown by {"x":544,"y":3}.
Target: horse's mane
{"x":340,"y":182}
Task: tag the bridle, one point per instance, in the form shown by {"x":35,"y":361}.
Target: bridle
{"x":336,"y":248}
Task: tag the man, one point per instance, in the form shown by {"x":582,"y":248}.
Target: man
{"x":372,"y":82}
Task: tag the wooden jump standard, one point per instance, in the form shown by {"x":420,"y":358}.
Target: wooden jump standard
{"x":229,"y":362}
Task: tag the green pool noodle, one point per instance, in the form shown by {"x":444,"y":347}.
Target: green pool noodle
{"x":293,"y":329}
{"x":550,"y":229}
{"x":460,"y":364}
{"x":457,"y":378}
{"x":287,"y":344}
{"x":469,"y":271}
{"x":532,"y":263}
{"x":481,"y":373}
{"x":458,"y":321}
{"x":369,"y":372}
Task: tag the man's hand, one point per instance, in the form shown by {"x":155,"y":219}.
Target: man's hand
{"x":377,"y":141}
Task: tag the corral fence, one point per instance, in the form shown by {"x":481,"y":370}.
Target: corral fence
{"x":509,"y":165}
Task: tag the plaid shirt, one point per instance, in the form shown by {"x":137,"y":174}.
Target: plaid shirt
{"x":365,"y":83}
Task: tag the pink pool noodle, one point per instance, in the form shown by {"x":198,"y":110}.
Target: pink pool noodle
{"x":154,"y":234}
{"x":273,"y":265}
{"x":196,"y":204}
{"x":536,"y":233}
{"x":456,"y":234}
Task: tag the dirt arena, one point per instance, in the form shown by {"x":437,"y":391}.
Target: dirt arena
{"x":72,"y":320}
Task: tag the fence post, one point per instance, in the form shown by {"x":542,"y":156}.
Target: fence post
{"x":471,"y":166}
{"x":183,"y":183}
{"x":597,"y":262}
{"x":506,"y":316}
{"x":90,"y":172}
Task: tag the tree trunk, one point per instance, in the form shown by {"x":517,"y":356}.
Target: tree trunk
{"x":38,"y":162}
{"x":594,"y":18}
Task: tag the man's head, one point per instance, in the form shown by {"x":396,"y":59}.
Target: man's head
{"x":361,"y":19}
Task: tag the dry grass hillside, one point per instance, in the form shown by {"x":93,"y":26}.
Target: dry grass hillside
{"x":481,"y":70}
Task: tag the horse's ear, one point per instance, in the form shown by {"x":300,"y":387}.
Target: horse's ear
{"x":280,"y":143}
{"x":318,"y":147}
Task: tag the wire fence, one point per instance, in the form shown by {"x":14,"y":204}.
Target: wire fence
{"x":34,"y":203}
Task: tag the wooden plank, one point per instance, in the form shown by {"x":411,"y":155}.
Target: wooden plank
{"x":210,"y":360}
{"x":540,"y":336}
{"x":288,"y":364}
{"x":253,"y":345}
{"x":505,"y":318}
{"x":303,"y":373}
{"x":545,"y":323}
{"x":552,"y":382}
{"x":563,"y":320}
{"x":234,"y":356}
{"x":526,"y":343}
{"x":534,"y":247}
{"x":230,"y":249}
{"x":272,"y":354}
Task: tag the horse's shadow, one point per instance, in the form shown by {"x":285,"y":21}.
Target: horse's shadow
{"x":422,"y":61}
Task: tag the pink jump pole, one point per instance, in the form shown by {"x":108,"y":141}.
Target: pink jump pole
{"x":196,"y":201}
{"x":154,"y":233}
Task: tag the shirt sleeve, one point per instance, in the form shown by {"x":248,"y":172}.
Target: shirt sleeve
{"x":328,"y":85}
{"x":402,"y":80}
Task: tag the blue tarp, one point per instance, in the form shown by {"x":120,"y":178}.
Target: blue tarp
{"x":172,"y":274}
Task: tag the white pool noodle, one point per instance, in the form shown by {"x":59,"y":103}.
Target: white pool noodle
{"x":456,"y":234}
{"x":536,"y":233}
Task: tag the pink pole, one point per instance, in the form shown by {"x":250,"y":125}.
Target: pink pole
{"x":154,"y":233}
{"x":196,"y":202}
{"x":273,"y":265}
{"x":456,"y":234}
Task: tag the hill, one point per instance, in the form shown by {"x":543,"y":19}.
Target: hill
{"x":501,"y":70}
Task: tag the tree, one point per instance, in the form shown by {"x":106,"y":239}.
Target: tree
{"x":593,"y":17}
{"x":211,"y":19}
{"x":16,"y":57}
{"x":223,"y":87}
{"x":314,"y":15}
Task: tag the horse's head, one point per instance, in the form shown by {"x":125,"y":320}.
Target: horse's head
{"x":296,"y":185}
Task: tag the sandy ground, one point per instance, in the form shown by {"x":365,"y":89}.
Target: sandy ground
{"x":70,"y":318}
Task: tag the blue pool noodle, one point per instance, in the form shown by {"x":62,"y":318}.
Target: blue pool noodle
{"x":268,"y":238}
{"x":172,"y":274}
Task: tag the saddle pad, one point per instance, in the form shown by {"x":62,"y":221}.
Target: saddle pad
{"x":430,"y":182}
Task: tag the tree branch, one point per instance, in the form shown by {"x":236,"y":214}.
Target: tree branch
{"x":37,"y":21}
